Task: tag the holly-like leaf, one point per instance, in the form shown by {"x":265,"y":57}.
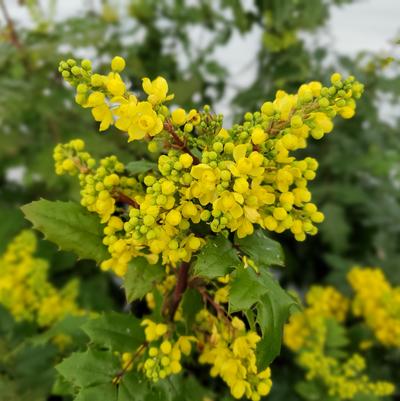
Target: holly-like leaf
{"x":116,"y":331}
{"x":272,"y":304}
{"x":90,"y":368}
{"x":70,"y":226}
{"x":106,"y":391}
{"x":246,"y":290}
{"x":216,"y":258}
{"x":133,"y":388}
{"x":140,"y":166}
{"x":264,"y":251}
{"x":273,"y":311}
{"x":141,"y":277}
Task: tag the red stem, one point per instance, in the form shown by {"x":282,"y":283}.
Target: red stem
{"x":121,"y":197}
{"x":178,"y":141}
{"x":180,"y":288}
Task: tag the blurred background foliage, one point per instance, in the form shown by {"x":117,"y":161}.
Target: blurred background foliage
{"x":358,"y":184}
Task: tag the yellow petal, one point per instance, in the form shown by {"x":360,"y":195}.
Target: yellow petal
{"x":239,"y":152}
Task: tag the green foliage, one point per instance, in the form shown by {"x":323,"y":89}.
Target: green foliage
{"x":89,"y":368}
{"x":141,"y":277}
{"x":70,"y":226}
{"x":140,"y":166}
{"x":116,"y":331}
{"x":271,"y":304}
{"x":264,"y":251}
{"x":216,"y":259}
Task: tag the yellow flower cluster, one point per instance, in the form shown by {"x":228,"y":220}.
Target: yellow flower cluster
{"x":322,"y":302}
{"x":99,"y":92}
{"x":25,"y":290}
{"x":232,"y":180}
{"x":230,"y":349}
{"x":163,"y":359}
{"x":344,"y":379}
{"x":307,"y":334}
{"x":378,"y":303}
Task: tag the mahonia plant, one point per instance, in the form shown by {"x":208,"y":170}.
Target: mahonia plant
{"x":321,"y":335}
{"x":189,"y":232}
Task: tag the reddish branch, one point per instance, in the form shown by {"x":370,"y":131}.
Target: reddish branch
{"x":130,"y":363}
{"x":121,"y":197}
{"x":208,"y":298}
{"x":10,"y":25}
{"x":178,"y":141}
{"x":180,"y":288}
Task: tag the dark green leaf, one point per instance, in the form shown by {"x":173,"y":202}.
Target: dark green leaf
{"x":133,"y":388}
{"x":117,"y":331}
{"x":273,"y":310}
{"x":310,"y":390}
{"x":106,"y":392}
{"x":6,"y":321}
{"x":141,"y":277}
{"x":90,"y":368}
{"x":140,"y":166}
{"x":191,"y":304}
{"x":246,"y":289}
{"x":216,"y":258}
{"x":264,"y":251}
{"x":70,"y":226}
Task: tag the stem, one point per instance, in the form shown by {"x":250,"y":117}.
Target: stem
{"x":129,"y":364}
{"x":10,"y":25}
{"x":180,"y":288}
{"x":178,"y":141}
{"x":207,"y":298}
{"x":121,"y":197}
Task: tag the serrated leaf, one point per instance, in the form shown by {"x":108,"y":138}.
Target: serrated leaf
{"x":90,"y":368}
{"x":273,"y":311}
{"x":141,"y":277}
{"x":133,"y":388}
{"x":216,"y":258}
{"x":272,"y":304}
{"x":116,"y":331}
{"x":106,"y":392}
{"x":246,"y":290}
{"x":70,"y":226}
{"x":264,"y":251}
{"x":140,"y":166}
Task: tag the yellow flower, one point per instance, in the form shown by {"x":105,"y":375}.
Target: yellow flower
{"x":138,"y":119}
{"x":157,"y":90}
{"x":100,"y":110}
